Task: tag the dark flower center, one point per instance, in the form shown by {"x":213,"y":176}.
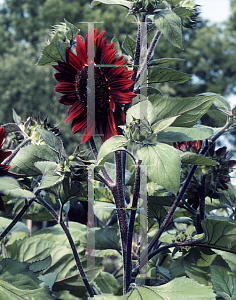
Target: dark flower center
{"x":102,"y":91}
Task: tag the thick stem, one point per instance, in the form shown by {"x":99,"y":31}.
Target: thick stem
{"x":72,"y":245}
{"x":118,"y":194}
{"x":131,"y":225}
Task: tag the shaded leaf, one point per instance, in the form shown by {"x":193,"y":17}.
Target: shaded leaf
{"x":224,"y":282}
{"x":54,"y":52}
{"x":103,"y":195}
{"x":51,"y":140}
{"x":40,"y":265}
{"x":115,"y":143}
{"x":161,"y":61}
{"x":170,"y":25}
{"x":195,"y":159}
{"x":129,"y":45}
{"x":182,"y":12}
{"x":163,"y":163}
{"x":72,"y":30}
{"x":107,"y":238}
{"x":10,"y":187}
{"x":18,"y":282}
{"x":23,"y":163}
{"x":183,"y":134}
{"x":50,"y":179}
{"x":177,"y":289}
{"x":161,"y":74}
{"x":45,"y":166}
{"x":117,"y":46}
{"x":105,"y":282}
{"x":189,"y":109}
{"x":11,"y":127}
{"x":119,"y":2}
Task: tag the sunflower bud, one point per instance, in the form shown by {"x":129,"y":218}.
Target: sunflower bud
{"x":138,"y":130}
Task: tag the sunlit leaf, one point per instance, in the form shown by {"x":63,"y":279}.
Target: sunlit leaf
{"x":10,"y":187}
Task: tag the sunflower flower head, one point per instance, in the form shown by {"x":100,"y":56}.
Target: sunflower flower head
{"x":3,"y":155}
{"x":111,"y":81}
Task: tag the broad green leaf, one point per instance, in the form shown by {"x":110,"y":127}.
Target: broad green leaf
{"x":142,"y":110}
{"x":105,"y":282}
{"x":224,"y":282}
{"x":230,"y":258}
{"x":117,"y":46}
{"x":51,"y":140}
{"x":178,"y":289}
{"x":195,"y":159}
{"x":107,"y":297}
{"x":18,"y":282}
{"x":170,"y":25}
{"x":23,"y":163}
{"x":183,"y":134}
{"x":163,"y":124}
{"x":12,"y":127}
{"x":182,"y":12}
{"x":107,"y":238}
{"x":111,"y":170}
{"x":72,"y":30}
{"x":189,"y":109}
{"x":119,"y":2}
{"x":155,"y":210}
{"x":40,"y":265}
{"x":197,"y":264}
{"x":45,"y":166}
{"x":234,"y":111}
{"x":161,"y":61}
{"x":177,"y":267}
{"x":49,"y":279}
{"x":54,"y":52}
{"x":162,"y":200}
{"x":50,"y":179}
{"x":163,"y":163}
{"x":115,"y":143}
{"x":129,"y":45}
{"x":173,"y":2}
{"x":220,"y":233}
{"x":220,"y":102}
{"x":10,"y":187}
{"x":161,"y":74}
{"x":103,"y":195}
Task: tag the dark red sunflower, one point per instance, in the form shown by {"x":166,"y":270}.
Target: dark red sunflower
{"x":3,"y":155}
{"x":111,"y":88}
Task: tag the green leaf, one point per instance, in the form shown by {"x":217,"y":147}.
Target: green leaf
{"x":224,"y":282}
{"x":49,"y":279}
{"x":161,"y":74}
{"x":182,"y":12}
{"x":105,"y":282}
{"x":11,"y":127}
{"x":155,"y":210}
{"x":41,"y":265}
{"x":170,"y":25}
{"x":163,"y":124}
{"x":197,"y":264}
{"x":51,"y":140}
{"x":162,"y":200}
{"x":23,"y":163}
{"x":163,"y":163}
{"x":45,"y":166}
{"x":137,"y":111}
{"x":117,"y":46}
{"x":72,"y":30}
{"x":195,"y":159}
{"x":173,"y":2}
{"x":189,"y":109}
{"x":160,"y":61}
{"x":220,"y":233}
{"x":10,"y":187}
{"x":49,"y":180}
{"x":16,"y":117}
{"x":115,"y":143}
{"x":182,"y":134}
{"x":103,"y":195}
{"x":18,"y":282}
{"x":19,"y":227}
{"x":129,"y":45}
{"x":234,"y":111}
{"x":178,"y":289}
{"x":119,"y":2}
{"x":54,"y":52}
{"x":107,"y":238}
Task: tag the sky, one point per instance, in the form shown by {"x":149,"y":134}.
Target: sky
{"x":214,"y":10}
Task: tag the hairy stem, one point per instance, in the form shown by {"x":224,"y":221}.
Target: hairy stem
{"x":9,"y":158}
{"x":72,"y":245}
{"x":131,"y":224}
{"x":118,"y":194}
{"x":18,"y":216}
